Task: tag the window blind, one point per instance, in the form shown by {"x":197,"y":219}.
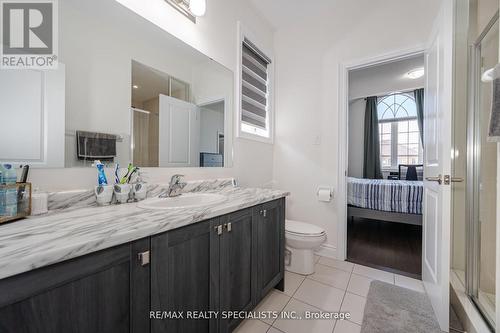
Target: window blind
{"x":254,"y":85}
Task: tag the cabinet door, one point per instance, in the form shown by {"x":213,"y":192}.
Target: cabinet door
{"x":89,"y":294}
{"x":238,"y":262}
{"x":184,"y":277}
{"x":271,"y":245}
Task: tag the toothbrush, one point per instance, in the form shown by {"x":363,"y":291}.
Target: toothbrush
{"x":129,"y":169}
{"x":134,"y":170}
{"x":117,"y":179}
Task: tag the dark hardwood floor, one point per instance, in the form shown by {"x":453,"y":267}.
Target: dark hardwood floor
{"x":392,"y":247}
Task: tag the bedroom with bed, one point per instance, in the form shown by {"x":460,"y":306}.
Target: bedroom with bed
{"x":385,"y":171}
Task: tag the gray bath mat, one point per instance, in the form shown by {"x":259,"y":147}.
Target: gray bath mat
{"x":392,"y":309}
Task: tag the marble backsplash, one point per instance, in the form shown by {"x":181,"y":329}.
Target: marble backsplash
{"x":75,"y":199}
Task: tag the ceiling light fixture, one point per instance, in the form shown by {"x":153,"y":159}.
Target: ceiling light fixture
{"x":415,"y":73}
{"x":198,"y":7}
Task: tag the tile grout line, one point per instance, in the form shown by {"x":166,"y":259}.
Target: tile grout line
{"x":343,"y":298}
{"x":289,"y":299}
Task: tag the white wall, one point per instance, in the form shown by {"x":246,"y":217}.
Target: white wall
{"x":356,"y":137}
{"x":309,"y":51}
{"x":374,"y":81}
{"x":214,"y":35}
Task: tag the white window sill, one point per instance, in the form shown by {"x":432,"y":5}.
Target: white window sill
{"x":254,"y":137}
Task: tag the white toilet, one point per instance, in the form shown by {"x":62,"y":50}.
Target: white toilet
{"x":301,"y":241}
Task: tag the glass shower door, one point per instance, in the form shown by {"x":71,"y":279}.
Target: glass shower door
{"x":482,"y":196}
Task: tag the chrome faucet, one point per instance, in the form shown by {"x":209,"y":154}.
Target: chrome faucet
{"x":174,"y":188}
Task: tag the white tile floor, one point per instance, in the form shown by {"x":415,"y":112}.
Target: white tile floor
{"x":335,"y":286}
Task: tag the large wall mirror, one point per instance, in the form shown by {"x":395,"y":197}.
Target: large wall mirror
{"x":125,"y":91}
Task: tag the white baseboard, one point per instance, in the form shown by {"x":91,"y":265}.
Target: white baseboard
{"x":327,"y":250}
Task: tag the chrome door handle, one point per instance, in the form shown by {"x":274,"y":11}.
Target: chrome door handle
{"x":457,"y":180}
{"x":435,"y":179}
{"x":449,"y":179}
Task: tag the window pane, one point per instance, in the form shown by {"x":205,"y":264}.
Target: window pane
{"x":413,"y":126}
{"x":402,"y":126}
{"x":413,"y":149}
{"x":402,"y":138}
{"x":385,"y":150}
{"x":403,"y":160}
{"x":385,"y":139}
{"x":397,"y":105}
{"x":413,"y":160}
{"x":386,"y":162}
{"x":414,"y":137}
{"x":402,"y":150}
{"x":386,"y":127}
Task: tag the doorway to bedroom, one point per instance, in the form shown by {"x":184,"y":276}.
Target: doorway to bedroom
{"x":385,"y":166}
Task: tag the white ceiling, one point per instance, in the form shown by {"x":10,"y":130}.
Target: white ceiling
{"x":385,"y":78}
{"x":282,"y":13}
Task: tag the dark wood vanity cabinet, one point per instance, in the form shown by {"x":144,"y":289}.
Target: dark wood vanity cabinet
{"x":227,"y":263}
{"x":238,"y":262}
{"x":184,"y":278}
{"x":270,"y":222}
{"x":107,"y":291}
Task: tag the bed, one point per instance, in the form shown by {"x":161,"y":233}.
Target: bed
{"x":387,"y":200}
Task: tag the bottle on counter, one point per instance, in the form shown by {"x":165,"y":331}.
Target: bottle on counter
{"x":8,"y":197}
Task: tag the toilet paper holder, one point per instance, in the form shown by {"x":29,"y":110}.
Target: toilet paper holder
{"x":324,"y":193}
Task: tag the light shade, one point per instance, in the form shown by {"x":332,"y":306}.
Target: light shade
{"x":198,"y":7}
{"x":415,"y":73}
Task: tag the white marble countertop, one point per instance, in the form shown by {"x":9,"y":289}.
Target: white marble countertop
{"x":40,"y":241}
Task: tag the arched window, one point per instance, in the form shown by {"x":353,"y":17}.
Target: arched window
{"x":398,"y":130}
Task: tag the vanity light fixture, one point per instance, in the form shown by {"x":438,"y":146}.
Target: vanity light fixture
{"x":198,"y":7}
{"x":135,"y":86}
{"x":415,"y":73}
{"x":189,"y":8}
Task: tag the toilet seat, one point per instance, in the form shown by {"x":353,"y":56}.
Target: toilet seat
{"x":303,"y":229}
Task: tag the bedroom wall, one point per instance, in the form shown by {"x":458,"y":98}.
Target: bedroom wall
{"x":214,"y":35}
{"x":311,"y":47}
{"x":374,"y":81}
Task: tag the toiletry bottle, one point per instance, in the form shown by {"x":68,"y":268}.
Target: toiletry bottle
{"x":10,"y":195}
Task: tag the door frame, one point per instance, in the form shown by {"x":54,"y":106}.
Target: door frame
{"x":343,"y":130}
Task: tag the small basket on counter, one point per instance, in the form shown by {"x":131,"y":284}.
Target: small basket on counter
{"x":15,"y":201}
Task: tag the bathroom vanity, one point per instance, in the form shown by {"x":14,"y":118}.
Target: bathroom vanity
{"x":225,"y":257}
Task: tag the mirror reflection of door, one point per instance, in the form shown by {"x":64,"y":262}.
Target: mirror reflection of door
{"x":168,"y":129}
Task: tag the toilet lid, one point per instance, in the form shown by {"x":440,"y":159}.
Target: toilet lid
{"x":301,"y":228}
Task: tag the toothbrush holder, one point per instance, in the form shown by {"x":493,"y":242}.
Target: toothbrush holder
{"x":103,"y":194}
{"x":139,"y":191}
{"x":122,"y":192}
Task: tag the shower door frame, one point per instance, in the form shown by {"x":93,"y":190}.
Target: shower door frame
{"x":472,"y":265}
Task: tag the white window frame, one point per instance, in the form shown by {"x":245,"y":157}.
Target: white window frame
{"x":243,"y":130}
{"x":394,"y":142}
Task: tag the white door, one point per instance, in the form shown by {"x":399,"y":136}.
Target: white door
{"x":437,"y":164}
{"x":178,"y":133}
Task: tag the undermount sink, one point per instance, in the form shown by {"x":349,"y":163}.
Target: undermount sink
{"x":186,"y":200}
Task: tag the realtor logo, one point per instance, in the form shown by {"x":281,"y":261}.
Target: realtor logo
{"x":29,"y":34}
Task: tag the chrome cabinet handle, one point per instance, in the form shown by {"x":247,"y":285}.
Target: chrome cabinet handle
{"x":144,"y":258}
{"x":228,"y":226}
{"x":218,"y":229}
{"x":263,"y":212}
{"x":435,"y":179}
